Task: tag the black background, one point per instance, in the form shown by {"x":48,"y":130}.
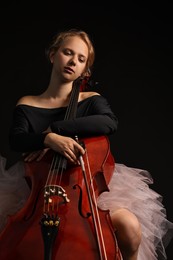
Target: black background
{"x":133,"y":66}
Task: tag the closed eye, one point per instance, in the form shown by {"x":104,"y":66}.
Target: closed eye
{"x":69,"y":52}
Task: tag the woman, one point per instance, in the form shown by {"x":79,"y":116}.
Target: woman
{"x":39,"y":125}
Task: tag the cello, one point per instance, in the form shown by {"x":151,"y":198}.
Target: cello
{"x":60,"y":219}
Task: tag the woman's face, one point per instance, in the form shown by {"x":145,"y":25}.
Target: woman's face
{"x":70,"y":60}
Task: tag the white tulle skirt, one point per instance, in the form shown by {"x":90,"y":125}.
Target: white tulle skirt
{"x":129,"y":188}
{"x":14,"y":190}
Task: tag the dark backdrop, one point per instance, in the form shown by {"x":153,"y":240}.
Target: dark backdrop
{"x":133,"y":67}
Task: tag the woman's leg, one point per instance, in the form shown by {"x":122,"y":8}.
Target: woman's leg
{"x":128,"y":233}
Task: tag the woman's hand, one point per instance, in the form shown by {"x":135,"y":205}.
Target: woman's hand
{"x":64,"y":145}
{"x":35,"y":156}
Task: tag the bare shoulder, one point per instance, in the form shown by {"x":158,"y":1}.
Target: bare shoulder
{"x":84,"y":95}
{"x":27,"y":100}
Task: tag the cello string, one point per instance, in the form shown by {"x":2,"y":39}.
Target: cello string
{"x":54,"y":188}
{"x":58,"y":161}
{"x":72,"y":107}
{"x":97,"y":223}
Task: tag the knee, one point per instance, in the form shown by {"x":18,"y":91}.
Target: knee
{"x":127,"y":229}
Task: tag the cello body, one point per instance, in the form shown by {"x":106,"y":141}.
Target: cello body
{"x":25,"y":238}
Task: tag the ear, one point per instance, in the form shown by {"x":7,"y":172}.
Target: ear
{"x":51,"y":56}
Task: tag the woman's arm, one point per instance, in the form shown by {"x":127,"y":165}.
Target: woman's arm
{"x":93,"y":119}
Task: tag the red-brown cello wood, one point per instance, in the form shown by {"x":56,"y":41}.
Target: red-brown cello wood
{"x":75,"y":236}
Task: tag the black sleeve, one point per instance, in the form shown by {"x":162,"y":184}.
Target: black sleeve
{"x":94,"y":117}
{"x":85,"y":126}
{"x":97,"y":119}
{"x":22,"y":138}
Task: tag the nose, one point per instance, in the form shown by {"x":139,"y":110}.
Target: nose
{"x":72,"y":61}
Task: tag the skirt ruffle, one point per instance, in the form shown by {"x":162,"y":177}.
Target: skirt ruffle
{"x":14,"y":190}
{"x":129,"y":188}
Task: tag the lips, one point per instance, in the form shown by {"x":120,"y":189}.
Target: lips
{"x":68,"y":69}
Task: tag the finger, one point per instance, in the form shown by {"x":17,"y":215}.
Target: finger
{"x":79,"y":150}
{"x":27,"y":158}
{"x":70,"y":156}
{"x":41,"y":155}
{"x":31,"y":156}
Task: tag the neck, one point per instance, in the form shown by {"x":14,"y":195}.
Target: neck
{"x":58,"y":88}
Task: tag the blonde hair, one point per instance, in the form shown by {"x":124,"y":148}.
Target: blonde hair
{"x":59,"y":38}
